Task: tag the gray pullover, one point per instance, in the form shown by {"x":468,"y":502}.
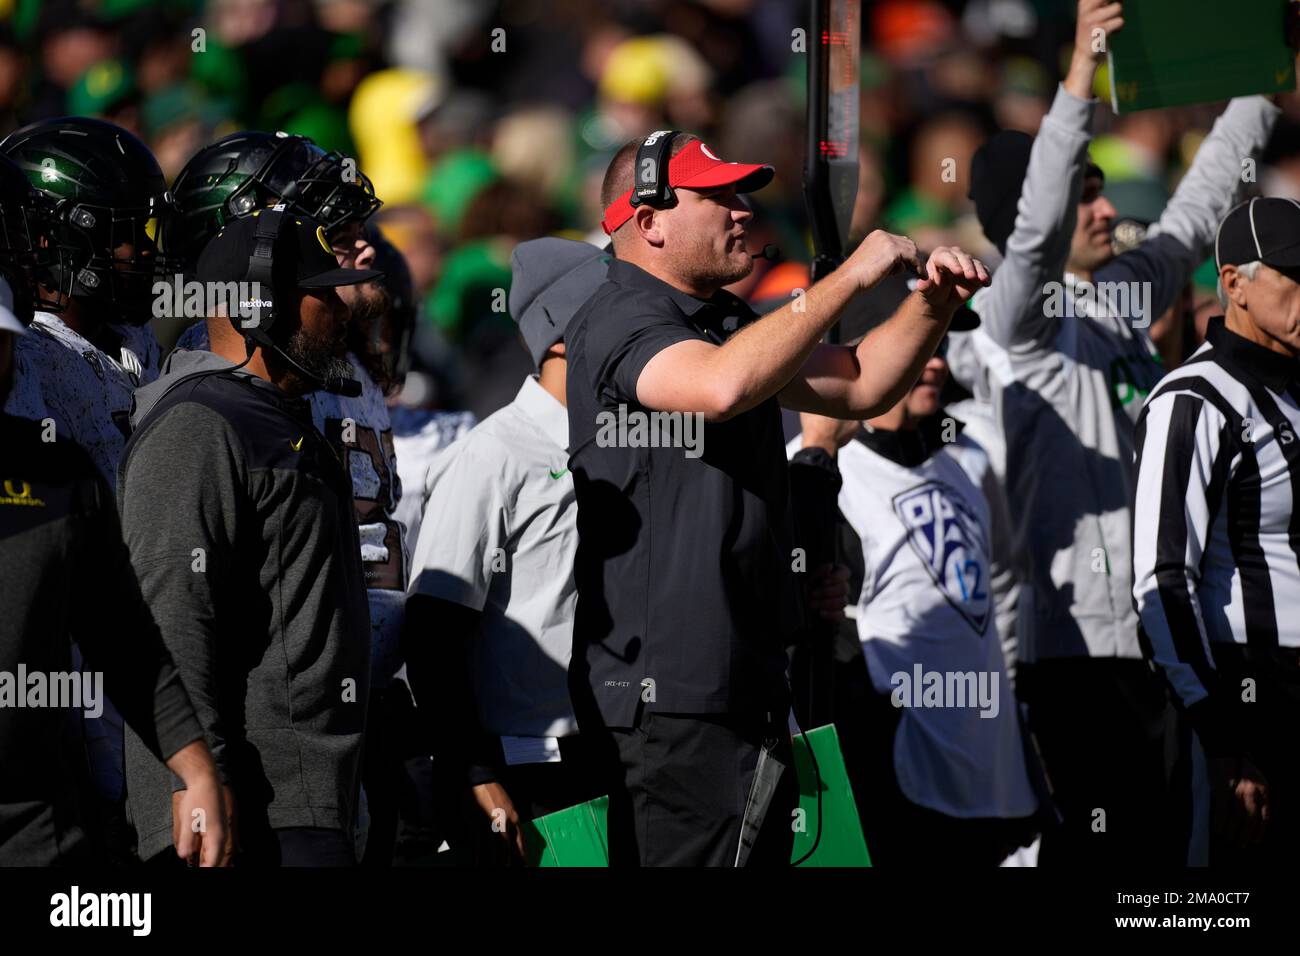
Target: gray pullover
{"x":238,"y":516}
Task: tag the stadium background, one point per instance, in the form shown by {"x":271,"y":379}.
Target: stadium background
{"x":484,"y":123}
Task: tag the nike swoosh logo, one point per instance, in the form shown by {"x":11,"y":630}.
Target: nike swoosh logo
{"x":559,"y":474}
{"x":297,"y":445}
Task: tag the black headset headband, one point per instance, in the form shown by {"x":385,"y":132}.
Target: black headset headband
{"x":650,"y":184}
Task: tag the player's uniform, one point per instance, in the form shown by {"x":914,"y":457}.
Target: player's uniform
{"x":87,"y":392}
{"x":61,"y":377}
{"x":63,"y":563}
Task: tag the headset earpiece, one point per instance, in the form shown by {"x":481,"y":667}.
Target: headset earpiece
{"x":650,"y":178}
{"x":261,"y":271}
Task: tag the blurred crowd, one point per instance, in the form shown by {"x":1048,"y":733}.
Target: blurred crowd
{"x":484,"y":123}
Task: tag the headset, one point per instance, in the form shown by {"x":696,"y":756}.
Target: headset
{"x":262,"y":272}
{"x":653,"y":155}
{"x":270,"y":226}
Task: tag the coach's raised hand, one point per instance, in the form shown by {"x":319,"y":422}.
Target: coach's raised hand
{"x":881,"y":254}
{"x":951,"y":277}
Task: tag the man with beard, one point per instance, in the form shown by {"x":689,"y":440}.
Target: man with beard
{"x":246,"y":172}
{"x":686,"y":596}
{"x":252,"y":566}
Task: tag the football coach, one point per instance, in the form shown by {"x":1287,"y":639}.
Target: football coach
{"x":685,"y":560}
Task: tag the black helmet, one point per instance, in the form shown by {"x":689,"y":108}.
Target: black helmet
{"x":24,"y":262}
{"x":105,"y":199}
{"x":251,"y":170}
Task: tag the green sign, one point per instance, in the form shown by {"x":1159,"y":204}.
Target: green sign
{"x":1172,"y":52}
{"x":841,"y":842}
{"x":578,"y":836}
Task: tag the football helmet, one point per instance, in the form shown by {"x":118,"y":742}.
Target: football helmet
{"x":251,"y":170}
{"x":104,"y":203}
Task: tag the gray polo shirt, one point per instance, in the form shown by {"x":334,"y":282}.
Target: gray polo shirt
{"x":499,"y":536}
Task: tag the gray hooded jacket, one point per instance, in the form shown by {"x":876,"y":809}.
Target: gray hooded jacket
{"x":238,"y":516}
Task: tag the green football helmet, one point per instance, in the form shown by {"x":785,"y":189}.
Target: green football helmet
{"x":105,"y":201}
{"x":251,"y":170}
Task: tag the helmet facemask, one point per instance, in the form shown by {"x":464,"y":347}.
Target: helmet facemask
{"x":332,"y":191}
{"x":113,"y":255}
{"x":28,"y":260}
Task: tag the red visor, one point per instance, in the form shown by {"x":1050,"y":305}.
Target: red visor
{"x":695,"y":167}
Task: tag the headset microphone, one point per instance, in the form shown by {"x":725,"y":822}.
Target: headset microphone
{"x":334,"y":384}
{"x":347,"y":387}
{"x":769,"y":252}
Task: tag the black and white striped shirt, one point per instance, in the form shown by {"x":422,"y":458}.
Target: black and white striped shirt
{"x":1216,"y":535}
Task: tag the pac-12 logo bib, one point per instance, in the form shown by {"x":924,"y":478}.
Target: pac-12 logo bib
{"x":947,"y":538}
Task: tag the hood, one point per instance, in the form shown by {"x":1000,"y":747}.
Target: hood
{"x":179,"y":364}
{"x":551,"y":279}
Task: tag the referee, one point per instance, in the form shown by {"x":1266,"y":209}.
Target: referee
{"x":683,"y":568}
{"x":1216,"y":553}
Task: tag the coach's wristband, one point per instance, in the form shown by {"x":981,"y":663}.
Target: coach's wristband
{"x":820,"y":458}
